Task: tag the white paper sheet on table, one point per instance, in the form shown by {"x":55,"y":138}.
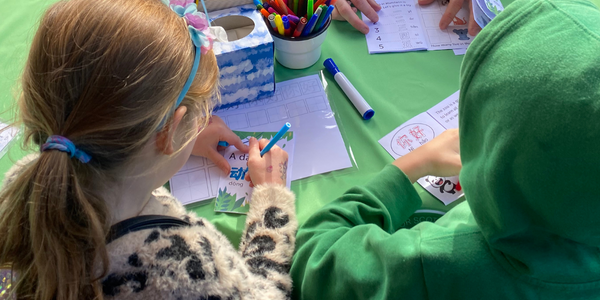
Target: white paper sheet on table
{"x":319,"y":147}
{"x":418,"y":131}
{"x":406,"y":26}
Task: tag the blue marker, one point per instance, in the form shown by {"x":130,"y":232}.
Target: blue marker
{"x":325,"y":17}
{"x":223,"y":143}
{"x":359,"y":102}
{"x":276,"y":138}
{"x":310,"y":25}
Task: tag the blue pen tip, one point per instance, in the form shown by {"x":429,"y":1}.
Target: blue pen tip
{"x":330,"y":66}
{"x":368,"y":114}
{"x":288,"y":125}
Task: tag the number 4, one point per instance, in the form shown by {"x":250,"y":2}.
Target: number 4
{"x":378,"y":38}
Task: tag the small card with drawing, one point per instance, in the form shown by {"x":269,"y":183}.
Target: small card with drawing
{"x":420,"y":130}
{"x":234,"y":192}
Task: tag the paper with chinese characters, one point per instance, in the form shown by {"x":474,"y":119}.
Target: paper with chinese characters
{"x":234,"y":192}
{"x":420,"y":130}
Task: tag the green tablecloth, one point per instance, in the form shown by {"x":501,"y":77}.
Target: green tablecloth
{"x":397,"y":85}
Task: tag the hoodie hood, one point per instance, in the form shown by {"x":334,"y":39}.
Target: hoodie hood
{"x":530,"y":138}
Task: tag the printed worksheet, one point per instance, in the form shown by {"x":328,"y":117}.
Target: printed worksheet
{"x":235,"y":193}
{"x":418,"y":131}
{"x":399,"y":28}
{"x":303,"y":103}
{"x":406,"y":26}
{"x":319,"y":147}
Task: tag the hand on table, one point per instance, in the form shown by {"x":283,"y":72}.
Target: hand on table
{"x":439,"y":157}
{"x":207,"y":142}
{"x":271,"y":168}
{"x":344,"y":12}
{"x":451,"y":10}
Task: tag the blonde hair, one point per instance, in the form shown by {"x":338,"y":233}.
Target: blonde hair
{"x":104,"y":74}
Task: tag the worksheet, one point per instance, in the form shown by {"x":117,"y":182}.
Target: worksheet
{"x":319,"y":147}
{"x":406,"y":26}
{"x":6,"y":137}
{"x":234,"y":192}
{"x":420,"y":130}
{"x":303,"y":103}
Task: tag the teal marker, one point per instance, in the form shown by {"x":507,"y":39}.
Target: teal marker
{"x":276,"y":138}
{"x":223,"y":144}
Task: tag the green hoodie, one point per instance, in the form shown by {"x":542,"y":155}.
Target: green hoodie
{"x":530,"y":146}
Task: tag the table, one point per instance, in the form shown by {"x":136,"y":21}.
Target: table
{"x":398,"y":86}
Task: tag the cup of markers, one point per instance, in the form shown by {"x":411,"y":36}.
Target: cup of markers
{"x":298,"y":27}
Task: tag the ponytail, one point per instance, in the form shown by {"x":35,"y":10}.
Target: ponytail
{"x":55,"y":230}
{"x":105,"y":81}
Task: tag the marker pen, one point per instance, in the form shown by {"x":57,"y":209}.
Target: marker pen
{"x":279,"y":24}
{"x":359,"y":102}
{"x":272,"y":21}
{"x":286,"y":26}
{"x":310,"y":25}
{"x":275,"y":139}
{"x":300,"y":27}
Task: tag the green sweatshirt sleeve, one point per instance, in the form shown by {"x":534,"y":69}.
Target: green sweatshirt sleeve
{"x":353,"y":248}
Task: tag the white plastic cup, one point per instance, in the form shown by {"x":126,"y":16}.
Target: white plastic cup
{"x":301,"y":52}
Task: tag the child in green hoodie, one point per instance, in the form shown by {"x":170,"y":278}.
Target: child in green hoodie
{"x":529,"y":120}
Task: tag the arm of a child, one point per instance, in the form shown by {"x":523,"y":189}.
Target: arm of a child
{"x":353,"y":248}
{"x":267,"y":243}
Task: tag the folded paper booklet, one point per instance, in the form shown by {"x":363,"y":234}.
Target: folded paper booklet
{"x":234,"y":192}
{"x":420,"y":130}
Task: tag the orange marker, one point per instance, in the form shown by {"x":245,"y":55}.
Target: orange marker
{"x":283,"y":7}
{"x":300,"y":27}
{"x":264,"y":13}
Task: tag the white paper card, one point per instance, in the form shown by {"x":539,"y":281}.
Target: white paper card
{"x":418,"y":131}
{"x":406,"y":26}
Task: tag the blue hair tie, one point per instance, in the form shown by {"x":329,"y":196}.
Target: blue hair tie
{"x":63,"y":144}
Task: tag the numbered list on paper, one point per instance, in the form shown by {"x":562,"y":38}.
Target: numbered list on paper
{"x":398,"y":29}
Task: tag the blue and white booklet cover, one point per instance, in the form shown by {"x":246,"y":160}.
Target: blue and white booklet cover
{"x":235,"y":193}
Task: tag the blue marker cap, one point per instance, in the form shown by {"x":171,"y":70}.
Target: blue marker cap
{"x":330,"y":66}
{"x":368,"y":114}
{"x":223,"y":144}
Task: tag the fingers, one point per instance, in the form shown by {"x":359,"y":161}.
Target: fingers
{"x":263,"y":143}
{"x":349,"y":15}
{"x":375,"y":5}
{"x":235,"y":140}
{"x":474,"y":28}
{"x":219,"y":160}
{"x":254,"y":150}
{"x":365,"y":7}
{"x":453,"y":7}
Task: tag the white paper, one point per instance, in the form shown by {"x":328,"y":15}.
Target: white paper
{"x":461,"y":51}
{"x":400,"y":19}
{"x":418,"y":131}
{"x":235,"y":193}
{"x":399,"y":28}
{"x":303,"y":103}
{"x":6,"y":137}
{"x":319,"y":147}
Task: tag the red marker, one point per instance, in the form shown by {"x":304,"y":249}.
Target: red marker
{"x":300,"y":27}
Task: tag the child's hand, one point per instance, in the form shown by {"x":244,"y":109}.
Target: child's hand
{"x":271,"y":168}
{"x":208,"y":140}
{"x":439,"y":157}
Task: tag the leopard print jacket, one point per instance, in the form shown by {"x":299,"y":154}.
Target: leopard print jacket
{"x":198,"y":261}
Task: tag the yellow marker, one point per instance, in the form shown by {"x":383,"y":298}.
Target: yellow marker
{"x":279,"y":24}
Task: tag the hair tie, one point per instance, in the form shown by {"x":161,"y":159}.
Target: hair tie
{"x":63,"y":144}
